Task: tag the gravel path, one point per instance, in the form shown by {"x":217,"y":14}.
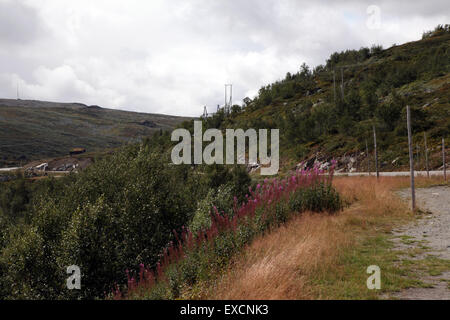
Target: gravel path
{"x":433,"y":231}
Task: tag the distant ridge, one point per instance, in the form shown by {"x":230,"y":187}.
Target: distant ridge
{"x":33,"y":129}
{"x":53,"y":104}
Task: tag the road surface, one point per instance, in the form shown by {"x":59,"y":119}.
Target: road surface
{"x":391,"y":174}
{"x":9,"y":169}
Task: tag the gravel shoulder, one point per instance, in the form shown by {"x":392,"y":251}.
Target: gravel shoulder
{"x":429,"y":236}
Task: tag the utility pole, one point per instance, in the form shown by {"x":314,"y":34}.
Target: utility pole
{"x":368,"y":158}
{"x":18,"y":96}
{"x":342,"y":82}
{"x":376,"y":151}
{"x":443,"y":158}
{"x":426,"y":154}
{"x":334,"y":86}
{"x":231,"y":98}
{"x":226,"y":103}
{"x":411,"y":160}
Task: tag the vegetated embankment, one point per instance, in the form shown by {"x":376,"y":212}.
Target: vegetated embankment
{"x":198,"y":258}
{"x":325,"y":257}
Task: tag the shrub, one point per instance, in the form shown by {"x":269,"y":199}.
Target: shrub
{"x":199,"y":256}
{"x":235,"y":176}
{"x":117,"y":213}
{"x":222,"y":200}
{"x":322,"y":197}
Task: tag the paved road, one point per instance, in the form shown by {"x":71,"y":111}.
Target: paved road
{"x":9,"y":169}
{"x":13,"y":169}
{"x":349,"y":174}
{"x":392,"y":174}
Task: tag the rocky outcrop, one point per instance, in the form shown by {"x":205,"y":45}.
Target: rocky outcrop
{"x":345,"y":163}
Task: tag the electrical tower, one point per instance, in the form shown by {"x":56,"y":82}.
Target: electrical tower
{"x":228,"y":98}
{"x":205,"y":112}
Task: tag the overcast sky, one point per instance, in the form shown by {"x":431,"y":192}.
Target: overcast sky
{"x":174,"y":56}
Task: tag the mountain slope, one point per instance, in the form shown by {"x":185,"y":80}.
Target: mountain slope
{"x":38,"y":129}
{"x":320,"y":119}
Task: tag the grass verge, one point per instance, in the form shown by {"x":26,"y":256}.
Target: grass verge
{"x":326,"y":257}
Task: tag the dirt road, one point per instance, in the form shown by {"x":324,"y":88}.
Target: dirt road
{"x":432,"y":232}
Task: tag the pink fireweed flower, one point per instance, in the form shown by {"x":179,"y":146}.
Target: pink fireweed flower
{"x":269,"y":194}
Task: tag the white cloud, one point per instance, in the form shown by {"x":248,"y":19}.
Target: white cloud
{"x":174,"y":56}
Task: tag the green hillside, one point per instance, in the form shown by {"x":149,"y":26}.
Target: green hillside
{"x":36,"y":129}
{"x":132,"y":213}
{"x":320,"y":119}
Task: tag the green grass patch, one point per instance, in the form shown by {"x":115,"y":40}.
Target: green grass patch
{"x":348,"y":279}
{"x":430,"y":265}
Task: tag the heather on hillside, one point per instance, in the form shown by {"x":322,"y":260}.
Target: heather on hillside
{"x":199,"y":256}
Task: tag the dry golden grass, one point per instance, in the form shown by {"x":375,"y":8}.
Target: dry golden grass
{"x":280,"y":264}
{"x":277,"y":265}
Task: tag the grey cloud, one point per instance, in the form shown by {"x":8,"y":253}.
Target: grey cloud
{"x":174,"y":56}
{"x":19,"y":23}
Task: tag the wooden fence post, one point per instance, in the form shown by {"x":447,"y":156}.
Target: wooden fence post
{"x":368,"y":158}
{"x":376,"y":151}
{"x":443,"y":159}
{"x":426,"y":155}
{"x":411,"y":158}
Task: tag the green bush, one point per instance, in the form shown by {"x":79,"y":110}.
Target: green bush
{"x":118,"y":213}
{"x":222,"y":199}
{"x":322,"y":197}
{"x":203,"y":262}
